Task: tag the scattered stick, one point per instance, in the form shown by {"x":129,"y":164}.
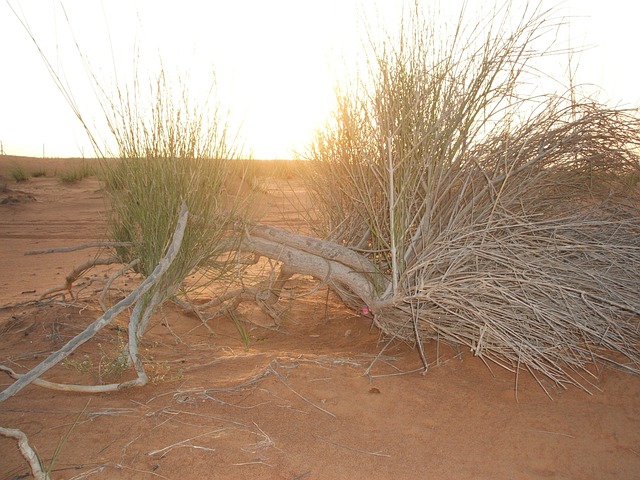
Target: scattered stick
{"x":78,"y":247}
{"x":27,"y":452}
{"x":275,"y":372}
{"x":397,"y":374}
{"x":367,"y":372}
{"x":257,"y":462}
{"x":79,"y":270}
{"x":184,"y":443}
{"x":557,"y":433}
{"x":189,"y":307}
{"x":302,"y":475}
{"x":246,"y":383}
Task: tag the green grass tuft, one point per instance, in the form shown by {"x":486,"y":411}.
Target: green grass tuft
{"x":174,"y":154}
{"x":19,"y":174}
{"x":75,"y":174}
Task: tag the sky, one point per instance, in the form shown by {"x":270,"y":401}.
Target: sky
{"x":276,"y":62}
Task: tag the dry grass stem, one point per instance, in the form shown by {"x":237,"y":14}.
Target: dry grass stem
{"x":281,"y":380}
{"x":357,"y":450}
{"x":185,"y":444}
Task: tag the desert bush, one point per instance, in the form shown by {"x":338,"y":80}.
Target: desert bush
{"x":167,"y":154}
{"x":75,"y":174}
{"x":493,"y":220}
{"x":19,"y":174}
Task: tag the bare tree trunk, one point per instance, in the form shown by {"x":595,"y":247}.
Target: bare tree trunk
{"x":351,"y":275}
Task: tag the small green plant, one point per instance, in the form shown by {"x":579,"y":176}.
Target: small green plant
{"x":85,"y":366}
{"x":113,"y":361}
{"x":41,"y":172}
{"x":19,"y":174}
{"x":161,"y":372}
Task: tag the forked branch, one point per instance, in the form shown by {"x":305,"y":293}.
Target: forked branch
{"x":133,"y":298}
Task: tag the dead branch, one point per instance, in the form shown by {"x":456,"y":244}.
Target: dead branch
{"x":63,"y":387}
{"x":112,"y":278}
{"x":77,"y":272}
{"x":91,"y":330}
{"x":325,"y":249}
{"x":78,"y":247}
{"x":337,"y":269}
{"x":27,"y":452}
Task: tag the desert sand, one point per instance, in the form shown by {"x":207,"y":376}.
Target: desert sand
{"x":311,"y":399}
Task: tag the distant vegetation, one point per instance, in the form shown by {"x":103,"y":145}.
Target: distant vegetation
{"x":19,"y":174}
{"x":75,"y":174}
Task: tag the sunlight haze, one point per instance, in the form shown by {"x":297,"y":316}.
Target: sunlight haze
{"x":276,"y":63}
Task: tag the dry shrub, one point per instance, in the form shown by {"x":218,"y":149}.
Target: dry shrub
{"x":505,"y":223}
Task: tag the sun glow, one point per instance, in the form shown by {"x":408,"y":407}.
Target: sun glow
{"x":275,"y":66}
{"x":276,"y":63}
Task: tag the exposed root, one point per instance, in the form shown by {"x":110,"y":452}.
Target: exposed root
{"x":27,"y":452}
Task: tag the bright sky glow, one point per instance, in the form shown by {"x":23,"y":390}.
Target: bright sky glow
{"x":276,"y":62}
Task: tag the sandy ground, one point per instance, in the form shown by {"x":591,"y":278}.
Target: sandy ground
{"x":305,"y":400}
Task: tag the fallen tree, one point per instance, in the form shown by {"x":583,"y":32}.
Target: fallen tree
{"x":500,"y":221}
{"x":445,"y":204}
{"x":543,"y":277}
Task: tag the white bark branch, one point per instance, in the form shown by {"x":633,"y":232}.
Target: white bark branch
{"x":27,"y":452}
{"x":104,"y":320}
{"x":336,"y":273}
{"x":66,"y":387}
{"x":320,"y":248}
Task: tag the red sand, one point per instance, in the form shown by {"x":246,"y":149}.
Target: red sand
{"x":294,"y":405}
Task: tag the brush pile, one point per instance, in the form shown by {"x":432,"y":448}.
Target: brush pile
{"x":508,"y":224}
